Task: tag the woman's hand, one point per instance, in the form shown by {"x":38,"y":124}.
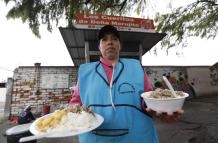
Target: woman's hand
{"x":168,"y":117}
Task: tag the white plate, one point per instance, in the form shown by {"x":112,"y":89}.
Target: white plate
{"x":68,"y":132}
{"x":18,"y":129}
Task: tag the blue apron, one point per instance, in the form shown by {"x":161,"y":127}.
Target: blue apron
{"x":128,"y":123}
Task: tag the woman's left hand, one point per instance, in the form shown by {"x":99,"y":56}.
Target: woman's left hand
{"x":168,"y":117}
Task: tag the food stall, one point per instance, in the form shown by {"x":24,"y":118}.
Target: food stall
{"x":137,"y":36}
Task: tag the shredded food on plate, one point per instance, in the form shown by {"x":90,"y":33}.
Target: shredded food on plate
{"x":165,"y":94}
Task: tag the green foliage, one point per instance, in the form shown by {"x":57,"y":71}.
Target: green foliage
{"x":197,"y":19}
{"x":38,"y":12}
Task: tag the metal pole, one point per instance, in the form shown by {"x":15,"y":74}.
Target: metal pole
{"x":140,"y":52}
{"x":87,"y":56}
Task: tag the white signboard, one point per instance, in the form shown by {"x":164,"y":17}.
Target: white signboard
{"x":54,"y":81}
{"x":97,"y":21}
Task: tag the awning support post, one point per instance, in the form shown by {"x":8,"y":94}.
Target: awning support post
{"x":140,"y":52}
{"x":87,"y":56}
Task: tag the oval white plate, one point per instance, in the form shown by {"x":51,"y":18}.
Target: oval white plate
{"x":67,"y":132}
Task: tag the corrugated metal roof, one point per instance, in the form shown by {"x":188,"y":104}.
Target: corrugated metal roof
{"x":2,"y":84}
{"x":214,"y":66}
{"x":75,"y":42}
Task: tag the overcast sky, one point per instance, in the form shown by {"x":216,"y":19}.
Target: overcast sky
{"x":19,"y":47}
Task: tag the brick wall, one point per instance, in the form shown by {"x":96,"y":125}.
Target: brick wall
{"x":38,"y":85}
{"x":195,"y":80}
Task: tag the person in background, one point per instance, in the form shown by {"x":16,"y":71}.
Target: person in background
{"x":26,"y":116}
{"x":111,"y":87}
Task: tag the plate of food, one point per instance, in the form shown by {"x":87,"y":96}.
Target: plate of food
{"x":66,"y":122}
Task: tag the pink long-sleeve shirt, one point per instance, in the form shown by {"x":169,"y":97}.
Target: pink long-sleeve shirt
{"x":108,"y":70}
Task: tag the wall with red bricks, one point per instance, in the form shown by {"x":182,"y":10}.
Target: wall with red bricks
{"x":39,"y":85}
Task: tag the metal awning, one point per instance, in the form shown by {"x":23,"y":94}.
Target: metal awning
{"x":82,"y":44}
{"x":214,"y":66}
{"x":2,"y":84}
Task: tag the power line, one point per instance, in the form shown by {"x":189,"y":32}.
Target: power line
{"x":6,"y":69}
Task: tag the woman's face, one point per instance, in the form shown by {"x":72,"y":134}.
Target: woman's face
{"x":110,"y":47}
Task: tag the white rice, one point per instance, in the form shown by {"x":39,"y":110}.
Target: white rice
{"x":75,"y":121}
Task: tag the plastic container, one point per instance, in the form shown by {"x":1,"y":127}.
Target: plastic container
{"x":164,"y":105}
{"x":46,"y":109}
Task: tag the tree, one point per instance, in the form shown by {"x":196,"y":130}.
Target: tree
{"x":196,"y":19}
{"x":37,"y":12}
